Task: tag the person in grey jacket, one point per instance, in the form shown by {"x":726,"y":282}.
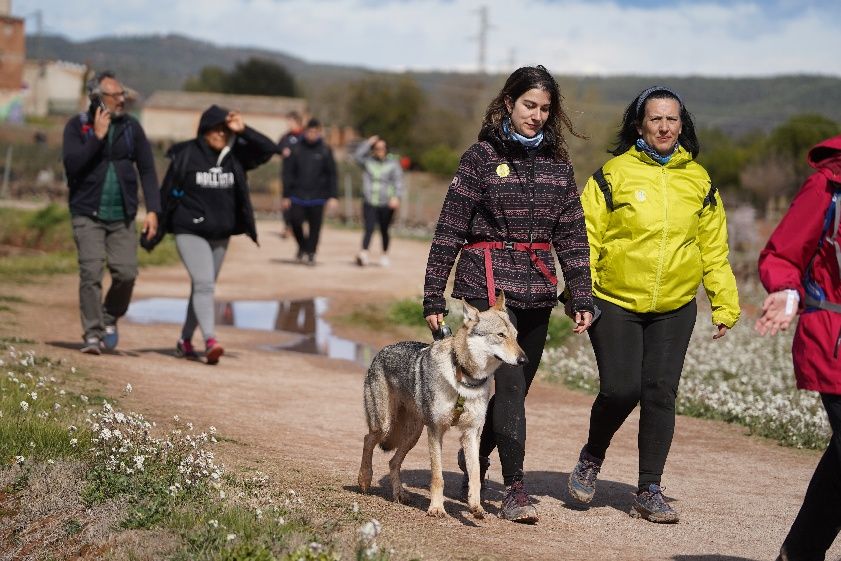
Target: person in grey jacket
{"x":382,"y":185}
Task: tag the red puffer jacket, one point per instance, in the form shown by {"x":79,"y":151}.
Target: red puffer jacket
{"x":782,"y":264}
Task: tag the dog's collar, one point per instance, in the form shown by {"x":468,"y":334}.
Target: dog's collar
{"x":467,"y":380}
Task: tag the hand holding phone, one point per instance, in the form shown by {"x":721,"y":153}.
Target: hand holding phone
{"x":100,"y":115}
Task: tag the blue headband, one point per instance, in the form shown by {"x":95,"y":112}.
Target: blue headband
{"x":646,"y":93}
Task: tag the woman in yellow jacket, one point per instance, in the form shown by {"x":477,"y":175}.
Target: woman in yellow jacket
{"x":657,"y":230}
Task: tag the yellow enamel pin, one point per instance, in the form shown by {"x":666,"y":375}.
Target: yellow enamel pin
{"x":503,"y":170}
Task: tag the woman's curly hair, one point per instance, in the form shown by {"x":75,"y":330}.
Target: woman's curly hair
{"x":519,"y":82}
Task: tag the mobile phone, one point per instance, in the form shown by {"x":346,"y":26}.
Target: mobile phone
{"x":96,"y":102}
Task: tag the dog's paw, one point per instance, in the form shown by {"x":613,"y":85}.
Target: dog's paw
{"x":436,"y":511}
{"x":364,"y":481}
{"x":478,"y":512}
{"x":400,"y":496}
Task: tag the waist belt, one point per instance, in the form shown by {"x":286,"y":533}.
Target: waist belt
{"x":812,"y":302}
{"x":511,"y":246}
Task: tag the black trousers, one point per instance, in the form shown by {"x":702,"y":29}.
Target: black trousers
{"x":640,"y":359}
{"x":819,"y":520}
{"x":313,"y":216}
{"x":505,"y":423}
{"x":374,"y":216}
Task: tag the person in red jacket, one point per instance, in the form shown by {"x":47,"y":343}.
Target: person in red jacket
{"x":801,"y":269}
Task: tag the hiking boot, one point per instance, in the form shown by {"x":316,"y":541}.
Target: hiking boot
{"x":111,"y":337}
{"x":651,"y":505}
{"x":582,"y":480}
{"x":362,"y":258}
{"x":516,"y":506}
{"x":213,"y":350}
{"x":484,"y":464}
{"x":184,"y":349}
{"x":92,"y":346}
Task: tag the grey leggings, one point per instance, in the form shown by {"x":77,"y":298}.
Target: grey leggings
{"x":203,"y":259}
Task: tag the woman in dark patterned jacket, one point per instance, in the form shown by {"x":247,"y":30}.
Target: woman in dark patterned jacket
{"x":512,"y":199}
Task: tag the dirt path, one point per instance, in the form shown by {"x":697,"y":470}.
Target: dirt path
{"x":299,"y":418}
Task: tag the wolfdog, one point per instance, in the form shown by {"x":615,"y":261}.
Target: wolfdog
{"x":410,"y":385}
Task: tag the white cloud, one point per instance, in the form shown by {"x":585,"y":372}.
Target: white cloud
{"x":570,"y":36}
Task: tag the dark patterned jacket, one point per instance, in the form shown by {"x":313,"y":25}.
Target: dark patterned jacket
{"x":501,"y":192}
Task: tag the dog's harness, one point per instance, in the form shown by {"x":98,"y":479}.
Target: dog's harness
{"x":460,"y":379}
{"x":511,"y":246}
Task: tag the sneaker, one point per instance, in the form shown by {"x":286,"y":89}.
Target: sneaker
{"x":362,"y":258}
{"x":213,"y":350}
{"x":111,"y":337}
{"x":299,"y":257}
{"x":516,"y":506}
{"x":582,"y":480}
{"x":184,"y":349}
{"x":484,"y":464}
{"x":651,"y":505}
{"x":311,"y":259}
{"x":92,"y":346}
{"x":384,"y":261}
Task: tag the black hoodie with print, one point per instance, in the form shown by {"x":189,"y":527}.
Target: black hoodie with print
{"x":209,"y":191}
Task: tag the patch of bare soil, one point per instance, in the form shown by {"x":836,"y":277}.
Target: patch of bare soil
{"x":299,"y":419}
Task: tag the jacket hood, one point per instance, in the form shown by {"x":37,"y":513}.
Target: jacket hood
{"x":510,"y":147}
{"x":212,"y":116}
{"x":826,"y":157}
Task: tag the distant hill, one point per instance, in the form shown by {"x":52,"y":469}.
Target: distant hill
{"x":736,"y":105}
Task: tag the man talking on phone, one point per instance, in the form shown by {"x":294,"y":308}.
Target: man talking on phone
{"x":104,"y":151}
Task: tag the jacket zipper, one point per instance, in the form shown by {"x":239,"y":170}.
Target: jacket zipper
{"x":657,"y":278}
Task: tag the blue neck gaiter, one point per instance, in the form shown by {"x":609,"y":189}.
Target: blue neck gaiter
{"x":654,"y":154}
{"x":532,"y":142}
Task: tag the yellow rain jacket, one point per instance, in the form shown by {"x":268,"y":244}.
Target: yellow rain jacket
{"x":660,"y":241}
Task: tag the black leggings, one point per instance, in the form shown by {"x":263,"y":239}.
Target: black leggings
{"x":640,"y":359}
{"x":505,"y":423}
{"x":376,"y":216}
{"x":313,"y":215}
{"x":819,"y":520}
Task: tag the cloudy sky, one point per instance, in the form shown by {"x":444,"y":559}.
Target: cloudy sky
{"x":605,"y":37}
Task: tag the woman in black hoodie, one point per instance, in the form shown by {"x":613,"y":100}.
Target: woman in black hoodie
{"x":206,"y":189}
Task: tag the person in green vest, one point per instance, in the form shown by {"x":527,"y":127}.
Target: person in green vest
{"x":382,"y":185}
{"x":104,"y":150}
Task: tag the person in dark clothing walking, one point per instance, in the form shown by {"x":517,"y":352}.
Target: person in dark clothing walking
{"x":206,"y":193}
{"x":309,"y":184}
{"x":512,"y":200}
{"x":284,"y":147}
{"x":382,"y":185}
{"x":801,"y":269}
{"x":103,"y":151}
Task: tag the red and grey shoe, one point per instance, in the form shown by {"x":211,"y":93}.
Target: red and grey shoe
{"x":213,"y":350}
{"x":184,"y":349}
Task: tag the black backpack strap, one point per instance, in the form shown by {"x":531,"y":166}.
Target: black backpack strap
{"x":604,"y":186}
{"x":709,"y":200}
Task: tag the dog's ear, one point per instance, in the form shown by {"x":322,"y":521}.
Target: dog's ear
{"x":470,"y":313}
{"x":500,"y":302}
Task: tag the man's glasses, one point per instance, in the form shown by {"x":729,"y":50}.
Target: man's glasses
{"x":115,"y":94}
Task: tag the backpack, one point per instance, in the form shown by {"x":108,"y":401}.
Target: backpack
{"x":604,"y":187}
{"x":815,"y":294}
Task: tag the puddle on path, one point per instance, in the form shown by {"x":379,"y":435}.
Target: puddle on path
{"x":303,"y":317}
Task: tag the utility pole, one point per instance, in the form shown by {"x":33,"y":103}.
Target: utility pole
{"x":482,"y":38}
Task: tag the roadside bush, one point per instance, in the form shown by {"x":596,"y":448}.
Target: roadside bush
{"x":440,"y":159}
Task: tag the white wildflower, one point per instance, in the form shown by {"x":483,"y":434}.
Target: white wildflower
{"x":128,"y":388}
{"x":34,"y":396}
{"x":230,"y":537}
{"x":19,"y":460}
{"x":25,"y":406}
{"x":74,"y":442}
{"x":213,"y":523}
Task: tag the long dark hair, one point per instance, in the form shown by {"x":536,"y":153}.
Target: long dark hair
{"x":635,"y":112}
{"x":519,"y":82}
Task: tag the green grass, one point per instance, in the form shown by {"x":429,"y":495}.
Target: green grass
{"x":45,"y":238}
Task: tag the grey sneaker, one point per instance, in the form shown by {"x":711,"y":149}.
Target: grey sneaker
{"x":582,"y":480}
{"x":92,"y":346}
{"x":111,"y":337}
{"x":516,"y":506}
{"x":651,"y":505}
{"x":484,"y":464}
